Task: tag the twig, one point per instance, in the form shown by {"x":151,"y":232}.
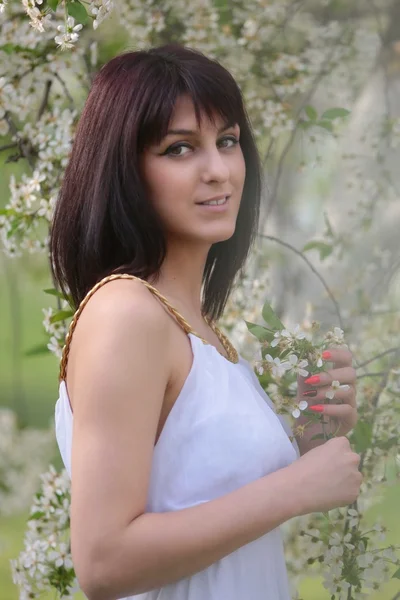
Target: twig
{"x":374,"y":404}
{"x":370,"y":360}
{"x":23,"y":150}
{"x":380,"y":374}
{"x":270,"y":146}
{"x":45,"y":99}
{"x":64,"y":86}
{"x":313,"y":269}
{"x":9,"y":146}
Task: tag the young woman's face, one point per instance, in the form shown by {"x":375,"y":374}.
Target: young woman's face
{"x":188,"y":168}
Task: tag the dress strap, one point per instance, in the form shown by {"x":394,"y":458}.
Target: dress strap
{"x":230,"y":350}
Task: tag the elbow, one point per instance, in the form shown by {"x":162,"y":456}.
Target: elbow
{"x":91,"y":582}
{"x":92,"y":573}
{"x":99,"y":578}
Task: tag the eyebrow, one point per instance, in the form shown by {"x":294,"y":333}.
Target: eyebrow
{"x":191,"y":132}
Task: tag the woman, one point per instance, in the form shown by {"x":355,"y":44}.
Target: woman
{"x":181,"y":471}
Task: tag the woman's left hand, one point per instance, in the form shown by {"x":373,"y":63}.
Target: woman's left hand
{"x":341,"y":409}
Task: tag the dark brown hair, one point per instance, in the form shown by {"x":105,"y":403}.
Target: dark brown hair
{"x":103,"y":221}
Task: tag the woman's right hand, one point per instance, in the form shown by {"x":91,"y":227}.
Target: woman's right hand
{"x":328,"y":476}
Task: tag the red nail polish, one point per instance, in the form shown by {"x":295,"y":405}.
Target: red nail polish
{"x":317,"y":407}
{"x":312,"y":380}
{"x":326,"y":355}
{"x":310,"y":394}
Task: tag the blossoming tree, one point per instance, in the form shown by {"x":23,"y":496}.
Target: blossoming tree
{"x":303,"y":67}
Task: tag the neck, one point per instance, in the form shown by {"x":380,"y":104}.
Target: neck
{"x":181,"y":277}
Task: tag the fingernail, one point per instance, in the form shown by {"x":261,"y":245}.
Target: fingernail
{"x":313,"y":379}
{"x":311,"y":393}
{"x":326,"y":355}
{"x":317,"y":407}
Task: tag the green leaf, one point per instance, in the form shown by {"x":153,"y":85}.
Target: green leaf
{"x":302,"y":124}
{"x":78,"y":11}
{"x":334,"y":113}
{"x":319,"y":436}
{"x":271,"y":318}
{"x":53,"y":4}
{"x":323,"y":248}
{"x":311,"y":112}
{"x":13,"y":48}
{"x":36,"y":350}
{"x":260,"y":332}
{"x":6,"y":211}
{"x":328,"y":225}
{"x":362,"y":436}
{"x":54,"y":292}
{"x":396,"y":574}
{"x":61,"y":315}
{"x":388,"y":444}
{"x":325,"y":125}
{"x":13,"y":228}
{"x":37,"y":515}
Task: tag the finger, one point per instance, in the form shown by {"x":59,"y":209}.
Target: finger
{"x":345,"y":394}
{"x":345,"y":375}
{"x":339,"y":411}
{"x":341,"y":357}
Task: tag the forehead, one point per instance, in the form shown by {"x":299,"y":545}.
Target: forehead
{"x":184,"y":116}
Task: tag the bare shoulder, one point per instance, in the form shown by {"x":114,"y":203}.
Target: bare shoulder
{"x":124,"y":297}
{"x":122,"y":318}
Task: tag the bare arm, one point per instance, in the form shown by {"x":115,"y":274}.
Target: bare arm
{"x":117,"y":376}
{"x":161,"y":548}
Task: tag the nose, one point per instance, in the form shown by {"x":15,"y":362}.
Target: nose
{"x":215,"y":167}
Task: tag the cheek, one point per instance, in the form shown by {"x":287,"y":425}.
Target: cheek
{"x":170,"y":192}
{"x":238,"y":173}
{"x":165,"y":185}
{"x":241,"y":170}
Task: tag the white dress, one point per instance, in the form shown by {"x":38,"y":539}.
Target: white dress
{"x":221,"y":434}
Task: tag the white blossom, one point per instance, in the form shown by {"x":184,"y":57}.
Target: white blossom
{"x":69,"y":33}
{"x":278,"y":368}
{"x":330,"y":394}
{"x":301,"y":406}
{"x":298,"y":366}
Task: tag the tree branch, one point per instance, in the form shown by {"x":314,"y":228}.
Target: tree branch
{"x":24,"y":152}
{"x":45,"y":99}
{"x":380,"y":374}
{"x":64,"y":86}
{"x":374,"y":404}
{"x":9,"y":146}
{"x":370,"y":360}
{"x":313,"y":269}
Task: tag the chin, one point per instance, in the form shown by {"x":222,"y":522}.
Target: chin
{"x":219,"y":234}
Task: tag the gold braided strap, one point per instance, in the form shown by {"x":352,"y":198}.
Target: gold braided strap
{"x":230,"y":350}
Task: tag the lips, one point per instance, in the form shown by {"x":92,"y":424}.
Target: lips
{"x":218,"y":199}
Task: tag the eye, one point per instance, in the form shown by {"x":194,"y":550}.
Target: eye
{"x":230,"y":138}
{"x":171,"y":149}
